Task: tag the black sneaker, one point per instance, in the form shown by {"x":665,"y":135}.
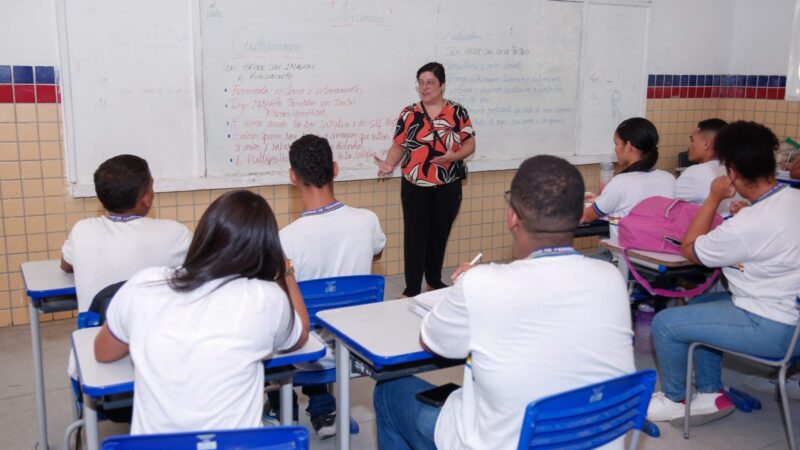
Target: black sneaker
{"x":324,"y":425}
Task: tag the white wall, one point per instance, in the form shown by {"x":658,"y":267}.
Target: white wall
{"x":690,"y":36}
{"x":28,"y":33}
{"x":686,"y":36}
{"x":762,"y":40}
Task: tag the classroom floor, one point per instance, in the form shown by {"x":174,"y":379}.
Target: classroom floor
{"x":757,"y":430}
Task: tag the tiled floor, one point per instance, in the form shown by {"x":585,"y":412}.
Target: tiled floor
{"x":757,"y":430}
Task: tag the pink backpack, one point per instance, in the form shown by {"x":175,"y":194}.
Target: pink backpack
{"x":658,"y":224}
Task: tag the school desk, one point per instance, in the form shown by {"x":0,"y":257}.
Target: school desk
{"x":49,"y":290}
{"x":793,"y":182}
{"x":658,"y":261}
{"x":100,"y":379}
{"x":381,"y":340}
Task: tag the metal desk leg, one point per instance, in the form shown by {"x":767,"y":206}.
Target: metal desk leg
{"x":36,"y":343}
{"x":623,"y":267}
{"x":90,"y":417}
{"x":342,"y":396}
{"x":286,"y":402}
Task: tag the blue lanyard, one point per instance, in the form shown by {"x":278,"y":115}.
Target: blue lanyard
{"x":327,"y":208}
{"x":772,"y":190}
{"x":553,"y":251}
{"x":123,"y":219}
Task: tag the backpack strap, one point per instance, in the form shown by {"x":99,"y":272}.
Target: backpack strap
{"x":666,"y":292}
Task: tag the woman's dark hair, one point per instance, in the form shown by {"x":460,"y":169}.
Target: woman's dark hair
{"x":749,"y":148}
{"x":642,"y":134}
{"x":120,"y":181}
{"x":435,"y":68}
{"x":237,"y":237}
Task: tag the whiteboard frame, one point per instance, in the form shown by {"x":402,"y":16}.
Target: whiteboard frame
{"x":793,"y":74}
{"x":362,"y":172}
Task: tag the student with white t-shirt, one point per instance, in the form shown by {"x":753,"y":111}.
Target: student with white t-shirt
{"x":329,"y":239}
{"x":527,"y":329}
{"x":197,"y":333}
{"x":636,"y":148}
{"x":694,"y":183}
{"x":111,"y":248}
{"x":758,"y":250}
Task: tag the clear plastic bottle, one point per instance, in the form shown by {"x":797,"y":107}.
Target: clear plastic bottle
{"x":643,"y":331}
{"x":606,"y":173}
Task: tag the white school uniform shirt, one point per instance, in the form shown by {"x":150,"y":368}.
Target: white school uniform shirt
{"x":533,"y":328}
{"x":626,"y":190}
{"x":694,"y":184}
{"x":337,"y":242}
{"x":104,"y":252}
{"x":759,"y":252}
{"x":197,"y":355}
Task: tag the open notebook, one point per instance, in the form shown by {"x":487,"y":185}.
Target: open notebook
{"x":423,"y":303}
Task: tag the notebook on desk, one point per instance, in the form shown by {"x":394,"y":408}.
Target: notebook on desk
{"x":422,"y":304}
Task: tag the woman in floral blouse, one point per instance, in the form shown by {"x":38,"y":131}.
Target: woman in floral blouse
{"x":432,"y":138}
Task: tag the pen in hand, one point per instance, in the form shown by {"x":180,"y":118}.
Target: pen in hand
{"x":465,"y":267}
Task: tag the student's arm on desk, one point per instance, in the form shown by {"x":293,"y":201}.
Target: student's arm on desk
{"x":107,"y":348}
{"x":65,"y":266}
{"x":795,"y":171}
{"x":721,"y":188}
{"x":299,"y":307}
{"x":589,"y":215}
{"x":445,"y":330}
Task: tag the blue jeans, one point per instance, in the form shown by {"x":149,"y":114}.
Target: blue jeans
{"x":713,"y":319}
{"x":404,"y":423}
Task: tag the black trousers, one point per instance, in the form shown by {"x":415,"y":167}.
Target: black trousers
{"x":428,"y":214}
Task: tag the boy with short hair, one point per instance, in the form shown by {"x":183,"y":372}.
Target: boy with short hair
{"x":329,"y":239}
{"x":111,"y":248}
{"x":694,"y":183}
{"x":550,"y":321}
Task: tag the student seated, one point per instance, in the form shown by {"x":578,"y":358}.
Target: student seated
{"x":636,"y":147}
{"x":694,"y":183}
{"x":795,"y":171}
{"x":197,"y":333}
{"x":329,"y":239}
{"x":111,"y":248}
{"x":551,"y":321}
{"x":758,"y":250}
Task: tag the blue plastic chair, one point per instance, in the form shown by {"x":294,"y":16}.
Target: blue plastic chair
{"x":336,"y":292}
{"x":269,"y":438}
{"x":590,"y":416}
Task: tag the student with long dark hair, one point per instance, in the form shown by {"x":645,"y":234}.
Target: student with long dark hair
{"x":197,"y":333}
{"x":636,"y":148}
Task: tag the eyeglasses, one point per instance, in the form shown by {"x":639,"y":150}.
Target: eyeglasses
{"x":428,"y":83}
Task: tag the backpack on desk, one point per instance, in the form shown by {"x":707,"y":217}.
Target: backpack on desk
{"x":658,"y":224}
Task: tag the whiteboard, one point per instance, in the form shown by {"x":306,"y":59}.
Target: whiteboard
{"x":212,"y":92}
{"x":793,"y":78}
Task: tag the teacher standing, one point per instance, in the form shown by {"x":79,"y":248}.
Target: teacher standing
{"x":431,"y":140}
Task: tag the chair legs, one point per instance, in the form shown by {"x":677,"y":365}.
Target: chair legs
{"x":689,"y":386}
{"x":784,"y":403}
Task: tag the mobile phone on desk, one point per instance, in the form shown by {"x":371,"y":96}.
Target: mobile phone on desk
{"x":438,"y":395}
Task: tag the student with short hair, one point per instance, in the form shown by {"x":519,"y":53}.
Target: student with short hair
{"x":197,"y":334}
{"x":694,"y":183}
{"x":111,"y":248}
{"x":636,"y":148}
{"x":551,"y":321}
{"x":758,"y":250}
{"x":329,"y":239}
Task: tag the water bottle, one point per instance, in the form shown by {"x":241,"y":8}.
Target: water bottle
{"x":643,"y":341}
{"x":606,"y":173}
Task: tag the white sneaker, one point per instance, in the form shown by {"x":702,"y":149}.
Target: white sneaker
{"x":705,"y":407}
{"x":662,"y":409}
{"x":768,"y":385}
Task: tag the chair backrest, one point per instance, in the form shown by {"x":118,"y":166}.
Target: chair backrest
{"x":96,"y":315}
{"x":338,"y":292}
{"x":268,"y":438}
{"x":590,"y":416}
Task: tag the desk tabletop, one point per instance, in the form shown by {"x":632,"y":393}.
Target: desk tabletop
{"x":98,"y":379}
{"x":385,"y":333}
{"x":663,"y":259}
{"x":46,"y":279}
{"x":793,"y":182}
